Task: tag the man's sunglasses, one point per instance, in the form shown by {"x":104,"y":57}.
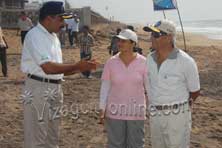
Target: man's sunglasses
{"x":158,"y":34}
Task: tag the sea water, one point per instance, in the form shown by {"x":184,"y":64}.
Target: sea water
{"x":210,"y":28}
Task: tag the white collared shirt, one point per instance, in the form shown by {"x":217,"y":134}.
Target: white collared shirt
{"x":73,"y":25}
{"x":25,"y":25}
{"x":40,"y":47}
{"x":69,"y":23}
{"x":173,"y":80}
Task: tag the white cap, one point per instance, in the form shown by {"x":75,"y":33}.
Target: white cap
{"x":128,"y":34}
{"x":165,"y":25}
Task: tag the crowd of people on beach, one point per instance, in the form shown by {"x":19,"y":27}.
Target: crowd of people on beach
{"x":161,"y":86}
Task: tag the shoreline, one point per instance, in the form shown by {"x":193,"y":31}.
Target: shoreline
{"x":197,"y":39}
{"x":210,"y":36}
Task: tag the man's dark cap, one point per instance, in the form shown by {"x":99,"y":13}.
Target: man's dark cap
{"x":54,"y":8}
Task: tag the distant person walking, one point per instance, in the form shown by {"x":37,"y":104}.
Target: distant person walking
{"x":62,"y":36}
{"x":113,"y":48}
{"x":73,"y":29}
{"x":3,"y":56}
{"x":25,"y":24}
{"x":69,"y":25}
{"x":86,"y":42}
{"x":136,"y":48}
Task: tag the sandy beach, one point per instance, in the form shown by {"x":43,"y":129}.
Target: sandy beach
{"x":85,"y":132}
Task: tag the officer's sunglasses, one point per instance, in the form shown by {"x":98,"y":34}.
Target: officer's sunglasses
{"x":158,"y":34}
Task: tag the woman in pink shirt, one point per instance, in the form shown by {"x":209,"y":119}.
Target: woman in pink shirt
{"x":122,"y":95}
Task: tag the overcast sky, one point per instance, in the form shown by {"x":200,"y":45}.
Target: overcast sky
{"x":141,"y":11}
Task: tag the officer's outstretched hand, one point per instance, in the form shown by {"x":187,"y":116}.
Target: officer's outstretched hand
{"x":85,"y":65}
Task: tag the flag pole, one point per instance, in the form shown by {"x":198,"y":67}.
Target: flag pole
{"x":181,"y":24}
{"x":164,"y":14}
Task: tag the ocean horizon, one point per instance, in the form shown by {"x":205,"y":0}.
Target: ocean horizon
{"x":209,"y":28}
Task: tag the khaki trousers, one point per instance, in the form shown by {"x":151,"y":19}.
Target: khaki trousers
{"x":41,"y":102}
{"x":171,"y":131}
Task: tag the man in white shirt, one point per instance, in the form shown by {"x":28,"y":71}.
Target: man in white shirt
{"x":73,"y":29}
{"x":42,"y":62}
{"x":173,"y":85}
{"x":25,"y":24}
{"x":69,"y":25}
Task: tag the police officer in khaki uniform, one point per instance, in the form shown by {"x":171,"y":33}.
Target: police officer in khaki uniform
{"x":42,"y":62}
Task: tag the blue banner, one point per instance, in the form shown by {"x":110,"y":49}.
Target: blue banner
{"x":164,"y":4}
